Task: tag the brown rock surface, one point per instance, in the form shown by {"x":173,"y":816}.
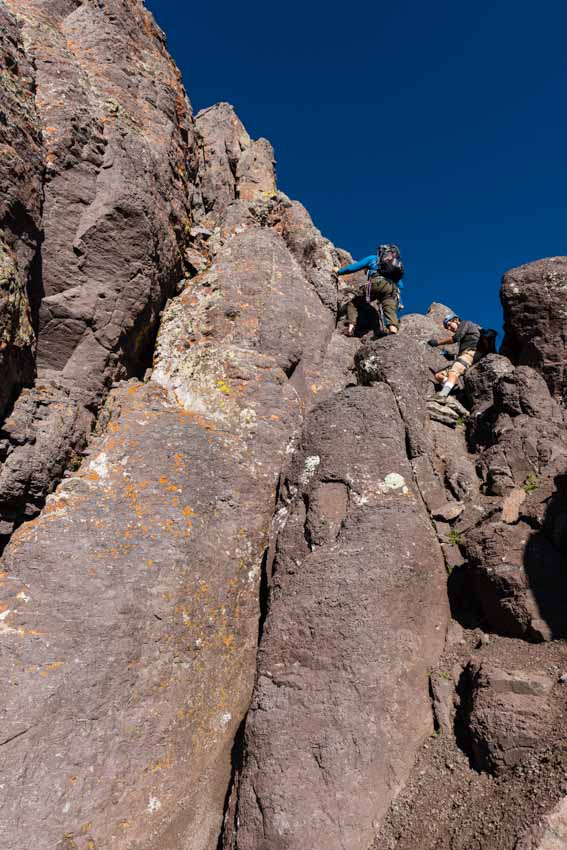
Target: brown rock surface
{"x":533,"y":298}
{"x":120,"y":159}
{"x":341,"y":696}
{"x":21,"y":167}
{"x":116,"y":186}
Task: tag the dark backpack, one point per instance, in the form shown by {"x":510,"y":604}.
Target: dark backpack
{"x":487,"y":341}
{"x":390,"y":263}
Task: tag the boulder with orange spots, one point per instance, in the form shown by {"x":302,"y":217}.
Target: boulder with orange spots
{"x":129,"y":622}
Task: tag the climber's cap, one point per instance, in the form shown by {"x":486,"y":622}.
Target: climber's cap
{"x":450,"y":317}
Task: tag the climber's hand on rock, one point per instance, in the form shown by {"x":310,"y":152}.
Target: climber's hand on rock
{"x":432,"y":342}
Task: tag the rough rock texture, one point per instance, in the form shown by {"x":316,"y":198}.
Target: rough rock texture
{"x":116,"y":188}
{"x":517,"y":556}
{"x":154,"y":553}
{"x":550,"y":834}
{"x":21,"y":170}
{"x":119,"y":159}
{"x":132,"y":633}
{"x":533,"y":298}
{"x":41,"y":439}
{"x":341,"y":701}
{"x":508,"y":716}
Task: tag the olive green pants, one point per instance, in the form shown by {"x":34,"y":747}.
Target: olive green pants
{"x":381,"y":290}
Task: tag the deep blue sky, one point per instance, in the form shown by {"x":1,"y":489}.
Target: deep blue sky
{"x":441,"y":126}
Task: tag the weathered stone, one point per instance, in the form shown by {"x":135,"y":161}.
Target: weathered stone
{"x":535,"y":336}
{"x":448,"y":512}
{"x":189,"y":459}
{"x":521,"y":435}
{"x":508,"y":715}
{"x":315,"y":254}
{"x":341,"y":701}
{"x":512,"y":504}
{"x":442,"y":700}
{"x":224,"y":140}
{"x":132,"y":611}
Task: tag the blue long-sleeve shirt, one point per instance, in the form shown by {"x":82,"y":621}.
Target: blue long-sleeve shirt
{"x":370,"y":263}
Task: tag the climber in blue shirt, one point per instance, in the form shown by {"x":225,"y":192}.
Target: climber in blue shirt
{"x":384,"y":271}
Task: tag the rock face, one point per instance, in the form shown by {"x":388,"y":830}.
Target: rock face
{"x":533,"y":297}
{"x":111,"y":197}
{"x":120,"y":157}
{"x":21,"y":168}
{"x":340,"y":703}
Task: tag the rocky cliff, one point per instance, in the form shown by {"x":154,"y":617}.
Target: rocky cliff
{"x":257,"y":591}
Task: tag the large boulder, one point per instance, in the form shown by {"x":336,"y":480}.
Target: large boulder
{"x":130,"y":620}
{"x":357,"y":616}
{"x":533,"y":298}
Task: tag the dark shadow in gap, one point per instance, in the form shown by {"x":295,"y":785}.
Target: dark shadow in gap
{"x":545,"y":562}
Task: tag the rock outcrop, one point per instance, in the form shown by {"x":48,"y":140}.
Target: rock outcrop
{"x":235,"y":535}
{"x":162,"y":535}
{"x":516,"y":553}
{"x":109,"y":199}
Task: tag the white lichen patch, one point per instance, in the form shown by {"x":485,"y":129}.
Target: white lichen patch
{"x":224,"y":720}
{"x":154,"y":805}
{"x":248,"y":417}
{"x":253,"y":573}
{"x":309,"y":468}
{"x":359,"y":499}
{"x":394,"y":481}
{"x":280,"y":519}
{"x":100,"y":465}
{"x":23,"y":595}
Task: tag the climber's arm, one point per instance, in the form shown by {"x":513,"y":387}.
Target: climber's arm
{"x":357,"y":266}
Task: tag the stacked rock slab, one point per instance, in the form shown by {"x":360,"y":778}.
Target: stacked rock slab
{"x":340,"y":703}
{"x":21,"y":167}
